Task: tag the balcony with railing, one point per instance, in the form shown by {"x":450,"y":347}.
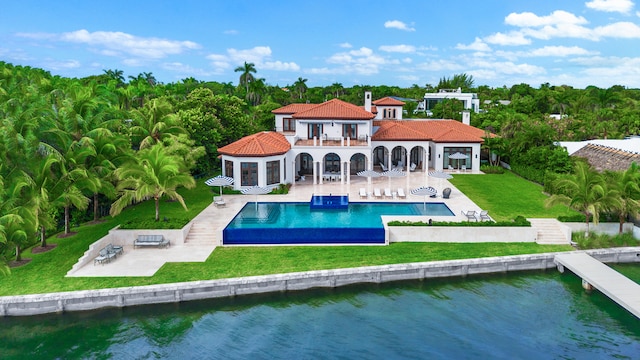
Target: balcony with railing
{"x":363,"y":141}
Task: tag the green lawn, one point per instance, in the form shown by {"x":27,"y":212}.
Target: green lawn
{"x":507,"y":195}
{"x":46,"y":272}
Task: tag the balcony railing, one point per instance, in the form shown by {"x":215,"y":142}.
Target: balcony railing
{"x":363,"y":141}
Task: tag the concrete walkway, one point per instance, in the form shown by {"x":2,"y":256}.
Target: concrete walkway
{"x":206,"y":231}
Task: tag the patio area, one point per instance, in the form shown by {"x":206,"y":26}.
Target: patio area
{"x":147,"y":261}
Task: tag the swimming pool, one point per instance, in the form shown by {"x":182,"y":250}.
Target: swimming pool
{"x":299,"y":223}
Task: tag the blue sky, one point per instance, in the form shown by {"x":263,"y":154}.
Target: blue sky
{"x":352,"y":42}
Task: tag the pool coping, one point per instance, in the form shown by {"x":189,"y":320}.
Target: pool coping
{"x":84,"y":300}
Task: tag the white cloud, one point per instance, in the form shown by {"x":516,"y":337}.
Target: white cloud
{"x":68,"y":64}
{"x":409,"y":78}
{"x":477,"y":45}
{"x":397,"y":24}
{"x":230,"y":32}
{"x":507,"y":67}
{"x":621,"y":6}
{"x":280,"y":66}
{"x":529,"y":19}
{"x":346,"y":45}
{"x":260,"y":56}
{"x":130,"y":44}
{"x":510,"y":39}
{"x":627,"y":30}
{"x":184,"y":70}
{"x":398,"y":48}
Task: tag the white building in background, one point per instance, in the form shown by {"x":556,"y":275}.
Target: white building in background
{"x":470,"y":100}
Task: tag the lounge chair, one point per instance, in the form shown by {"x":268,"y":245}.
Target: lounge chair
{"x":219,"y":201}
{"x":446,"y":192}
{"x":363,"y":193}
{"x":413,"y":167}
{"x":471,"y":215}
{"x":464,"y":168}
{"x":450,"y":167}
{"x":401,"y":193}
{"x":387,"y":193}
{"x":376,"y":193}
{"x":116,"y":250}
{"x":384,"y":168}
{"x":484,"y":215}
{"x":435,"y":192}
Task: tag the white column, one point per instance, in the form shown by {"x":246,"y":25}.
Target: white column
{"x":348,"y":172}
{"x":315,"y":173}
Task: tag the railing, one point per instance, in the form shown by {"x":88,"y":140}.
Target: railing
{"x":342,"y":142}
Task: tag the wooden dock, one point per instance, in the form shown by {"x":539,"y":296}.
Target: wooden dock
{"x":616,"y":286}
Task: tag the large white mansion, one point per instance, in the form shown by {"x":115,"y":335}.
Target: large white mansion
{"x":334,"y":140}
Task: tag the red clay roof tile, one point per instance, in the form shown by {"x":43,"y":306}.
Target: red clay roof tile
{"x":388,"y":101}
{"x":266,"y":143}
{"x":334,"y":109}
{"x":293,"y":108}
{"x":427,"y":130}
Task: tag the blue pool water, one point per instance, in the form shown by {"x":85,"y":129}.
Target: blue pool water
{"x":298,"y":223}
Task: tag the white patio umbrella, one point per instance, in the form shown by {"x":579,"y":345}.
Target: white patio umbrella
{"x":423,"y":191}
{"x":256,"y":190}
{"x":458,"y":156}
{"x":369,"y":174}
{"x":393,"y":173}
{"x":440,"y":175}
{"x":221,"y":181}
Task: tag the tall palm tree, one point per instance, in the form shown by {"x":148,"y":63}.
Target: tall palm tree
{"x":626,"y":184}
{"x":585,"y":191}
{"x":153,"y":174}
{"x":246,"y":77}
{"x":300,"y":86}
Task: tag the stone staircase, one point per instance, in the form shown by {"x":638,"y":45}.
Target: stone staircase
{"x":202,"y":231}
{"x":549,"y":232}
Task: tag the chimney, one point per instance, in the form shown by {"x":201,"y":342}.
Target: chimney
{"x":367,"y":101}
{"x":466,"y":117}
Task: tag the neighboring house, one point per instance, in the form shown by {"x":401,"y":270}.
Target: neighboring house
{"x":334,"y":140}
{"x":602,"y":157}
{"x":631,"y":144}
{"x":470,"y":101}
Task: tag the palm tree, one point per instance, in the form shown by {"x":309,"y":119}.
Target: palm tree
{"x":300,"y":86}
{"x":153,"y":174}
{"x":117,"y":75}
{"x":626,"y":184}
{"x":155,"y":123}
{"x":585,"y":191}
{"x":246,"y":77}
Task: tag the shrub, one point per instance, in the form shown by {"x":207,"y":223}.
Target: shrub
{"x":165,"y":223}
{"x":492,"y":169}
{"x":596,"y":241}
{"x":518,"y":221}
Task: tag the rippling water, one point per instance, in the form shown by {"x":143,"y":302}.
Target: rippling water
{"x":527,"y":316}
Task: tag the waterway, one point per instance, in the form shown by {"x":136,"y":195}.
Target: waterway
{"x":532,"y":315}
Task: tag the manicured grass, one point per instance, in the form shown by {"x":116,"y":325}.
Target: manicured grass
{"x":46,"y":272}
{"x":507,"y":195}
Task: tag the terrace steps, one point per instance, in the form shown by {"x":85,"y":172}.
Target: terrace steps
{"x":549,"y":232}
{"x":202,"y":232}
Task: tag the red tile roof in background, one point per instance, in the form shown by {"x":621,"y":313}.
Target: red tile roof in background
{"x":334,"y":109}
{"x":427,"y":130}
{"x":293,"y":108}
{"x":388,"y":101}
{"x":265,"y":143}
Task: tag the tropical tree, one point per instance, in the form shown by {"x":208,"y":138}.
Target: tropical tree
{"x":626,"y":185}
{"x":585,"y":191}
{"x":246,"y":77}
{"x":300,"y":87}
{"x":153,"y":173}
{"x":154,"y":123}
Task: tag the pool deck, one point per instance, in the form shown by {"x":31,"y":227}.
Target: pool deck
{"x":146,"y":262}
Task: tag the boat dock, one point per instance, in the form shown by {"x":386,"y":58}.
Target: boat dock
{"x":594,"y":273}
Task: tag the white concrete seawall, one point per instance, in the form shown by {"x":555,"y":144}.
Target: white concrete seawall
{"x":27,"y":305}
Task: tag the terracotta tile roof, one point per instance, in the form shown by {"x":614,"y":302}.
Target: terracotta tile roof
{"x":335,"y":109}
{"x":293,"y":108}
{"x":388,"y":101}
{"x":265,"y":143}
{"x":607,"y":158}
{"x":427,"y":130}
